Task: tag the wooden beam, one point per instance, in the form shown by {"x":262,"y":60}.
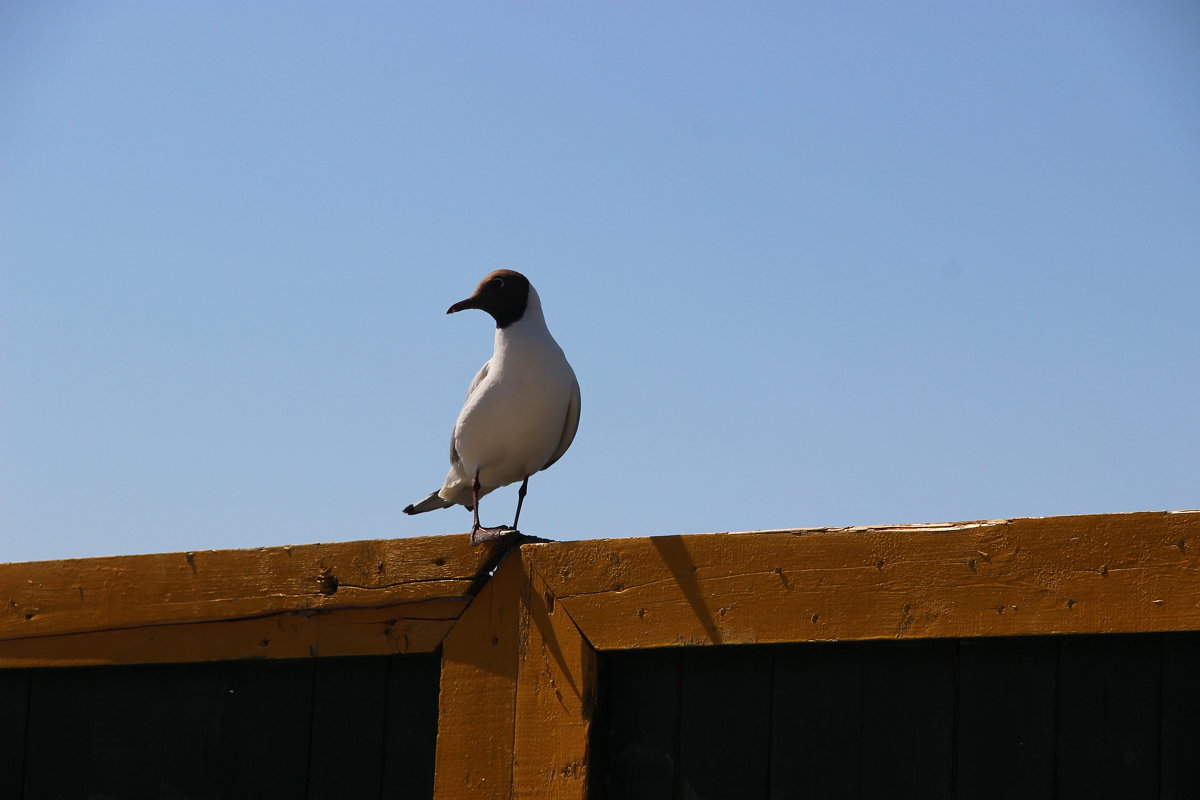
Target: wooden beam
{"x":408,"y":628}
{"x":1109,"y":573}
{"x":105,"y":594}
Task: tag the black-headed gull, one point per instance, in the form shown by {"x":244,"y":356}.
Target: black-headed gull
{"x":521,"y":411}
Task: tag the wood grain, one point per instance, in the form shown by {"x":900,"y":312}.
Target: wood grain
{"x":1085,"y":574}
{"x":98,"y":594}
{"x":556,"y":692}
{"x":476,"y":713}
{"x":408,"y":628}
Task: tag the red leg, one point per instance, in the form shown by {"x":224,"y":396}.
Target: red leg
{"x":480,"y":534}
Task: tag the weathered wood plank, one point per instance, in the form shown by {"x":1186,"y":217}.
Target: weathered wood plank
{"x":1108,"y":739}
{"x":636,"y":734}
{"x":556,"y":693}
{"x":94,"y":594}
{"x":476,"y":708}
{"x":1088,"y":574}
{"x":408,"y":628}
{"x":412,"y":720}
{"x":1007,"y":697}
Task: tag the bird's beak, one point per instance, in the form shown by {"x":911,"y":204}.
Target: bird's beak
{"x":463,"y":305}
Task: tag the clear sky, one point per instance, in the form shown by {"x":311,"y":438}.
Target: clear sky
{"x":814,"y":263}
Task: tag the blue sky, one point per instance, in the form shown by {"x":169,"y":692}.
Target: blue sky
{"x":814,"y":263}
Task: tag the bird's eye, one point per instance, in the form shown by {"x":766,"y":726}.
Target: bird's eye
{"x":496,"y":283}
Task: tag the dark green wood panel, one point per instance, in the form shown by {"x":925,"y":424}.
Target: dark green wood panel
{"x":816,"y":722}
{"x":1109,"y":717}
{"x":410,"y":725}
{"x":14,"y":717}
{"x":58,"y":732}
{"x":250,"y":729}
{"x":1115,"y":716}
{"x":908,"y":697}
{"x":1006,"y":718}
{"x":348,"y":720}
{"x":635,"y":737}
{"x":264,"y":730}
{"x":725,"y":724}
{"x":1181,"y":717}
{"x":129,"y":732}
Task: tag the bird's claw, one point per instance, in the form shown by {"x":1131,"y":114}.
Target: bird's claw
{"x":480,"y":535}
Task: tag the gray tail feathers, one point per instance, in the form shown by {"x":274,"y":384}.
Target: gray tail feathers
{"x":431,"y":503}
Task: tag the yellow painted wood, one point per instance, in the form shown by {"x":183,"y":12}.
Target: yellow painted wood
{"x":519,"y":662}
{"x":1110,"y":573}
{"x":97,"y":594}
{"x":556,"y":693}
{"x":476,"y":708}
{"x":409,"y":628}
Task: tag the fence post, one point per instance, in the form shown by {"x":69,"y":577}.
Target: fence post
{"x":517,"y":691}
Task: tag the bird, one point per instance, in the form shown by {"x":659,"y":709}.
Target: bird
{"x":521,"y":411}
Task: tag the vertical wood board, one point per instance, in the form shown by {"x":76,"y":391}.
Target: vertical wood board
{"x":410,"y":735}
{"x":556,"y":694}
{"x":816,"y":719}
{"x":1007,"y":702}
{"x":636,"y":735}
{"x":725,"y":731}
{"x":1180,"y":776}
{"x":346,"y":746}
{"x":477,"y":699}
{"x":14,"y":721}
{"x":1109,"y":717}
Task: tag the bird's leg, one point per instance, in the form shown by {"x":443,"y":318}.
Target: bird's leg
{"x":520,"y":499}
{"x":480,"y":534}
{"x":475,"y":504}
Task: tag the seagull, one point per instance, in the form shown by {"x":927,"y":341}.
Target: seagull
{"x":522,"y":409}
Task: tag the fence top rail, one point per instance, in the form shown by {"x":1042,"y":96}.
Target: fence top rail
{"x":1103,"y":573}
{"x":48,"y":598}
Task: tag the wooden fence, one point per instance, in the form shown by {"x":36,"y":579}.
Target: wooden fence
{"x":968,"y":660}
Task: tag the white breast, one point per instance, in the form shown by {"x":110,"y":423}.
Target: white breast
{"x":513,"y":420}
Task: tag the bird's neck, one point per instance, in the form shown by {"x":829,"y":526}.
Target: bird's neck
{"x":529,"y":332}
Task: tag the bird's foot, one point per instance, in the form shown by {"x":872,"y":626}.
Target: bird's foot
{"x":481,"y":534}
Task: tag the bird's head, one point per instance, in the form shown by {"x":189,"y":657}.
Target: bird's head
{"x":503,"y":294}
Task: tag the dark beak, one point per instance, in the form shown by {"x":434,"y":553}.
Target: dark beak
{"x":463,"y":305}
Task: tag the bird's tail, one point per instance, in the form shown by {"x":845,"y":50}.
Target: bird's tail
{"x":431,"y":503}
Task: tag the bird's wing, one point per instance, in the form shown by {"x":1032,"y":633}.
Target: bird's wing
{"x":479,"y":376}
{"x":570,"y":425}
{"x":455,"y":461}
